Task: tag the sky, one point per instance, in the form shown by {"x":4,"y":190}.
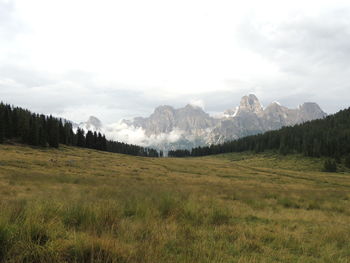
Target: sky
{"x":121,"y":59}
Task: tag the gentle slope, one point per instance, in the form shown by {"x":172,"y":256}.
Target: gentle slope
{"x":79,"y":205}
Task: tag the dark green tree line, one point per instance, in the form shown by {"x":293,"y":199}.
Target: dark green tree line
{"x":328,"y":137}
{"x":20,"y":125}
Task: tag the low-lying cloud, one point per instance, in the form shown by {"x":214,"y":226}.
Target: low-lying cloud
{"x":121,"y":131}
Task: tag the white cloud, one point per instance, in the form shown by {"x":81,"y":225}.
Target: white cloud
{"x":197,"y":103}
{"x":120,"y":131}
{"x":117,"y":59}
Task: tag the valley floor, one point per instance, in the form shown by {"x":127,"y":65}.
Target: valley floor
{"x":79,"y":205}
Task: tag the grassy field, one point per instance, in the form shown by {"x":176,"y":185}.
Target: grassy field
{"x":78,"y":205}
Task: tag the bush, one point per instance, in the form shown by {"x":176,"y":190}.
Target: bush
{"x":330,"y":166}
{"x":347,"y":161}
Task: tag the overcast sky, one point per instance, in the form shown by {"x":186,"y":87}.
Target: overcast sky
{"x":119,"y":59}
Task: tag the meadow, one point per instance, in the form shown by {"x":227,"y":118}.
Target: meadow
{"x":80,"y":205}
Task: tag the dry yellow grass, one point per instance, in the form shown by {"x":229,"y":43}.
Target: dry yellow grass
{"x":78,"y":205}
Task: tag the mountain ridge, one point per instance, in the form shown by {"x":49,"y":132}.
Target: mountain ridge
{"x":169,"y":128}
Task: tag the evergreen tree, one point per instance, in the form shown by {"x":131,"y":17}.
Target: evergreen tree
{"x":347,"y":161}
{"x":90,"y":141}
{"x":99,"y":143}
{"x":7,"y":122}
{"x":53,"y":132}
{"x":42,"y":137}
{"x":33,"y":133}
{"x":62,"y":132}
{"x":104,"y":143}
{"x":2,"y":130}
{"x":80,"y":138}
{"x":95,"y":141}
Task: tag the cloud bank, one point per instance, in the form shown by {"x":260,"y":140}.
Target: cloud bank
{"x":121,"y":59}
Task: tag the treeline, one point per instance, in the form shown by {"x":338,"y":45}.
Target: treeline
{"x":46,"y":131}
{"x":179,"y":153}
{"x":328,"y":137}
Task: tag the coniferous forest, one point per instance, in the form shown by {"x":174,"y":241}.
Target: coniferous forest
{"x":23,"y":126}
{"x":328,"y":137}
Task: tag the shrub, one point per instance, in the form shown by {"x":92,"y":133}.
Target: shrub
{"x":330,"y":166}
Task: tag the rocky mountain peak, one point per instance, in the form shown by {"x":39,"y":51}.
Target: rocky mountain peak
{"x":274,"y":106}
{"x":250,"y":103}
{"x":190,"y":126}
{"x":309,"y":111}
{"x":163,"y":108}
{"x":192,"y":109}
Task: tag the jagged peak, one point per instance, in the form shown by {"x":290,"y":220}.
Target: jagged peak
{"x":252,"y":96}
{"x":311,"y":107}
{"x":309,"y":104}
{"x":250,"y":103}
{"x":191,"y":106}
{"x":163,"y":108}
{"x":274,"y":104}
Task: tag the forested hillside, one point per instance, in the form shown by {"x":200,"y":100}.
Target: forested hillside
{"x":21,"y":125}
{"x":329,"y":137}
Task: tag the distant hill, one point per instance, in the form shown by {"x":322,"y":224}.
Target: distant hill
{"x":20,"y":125}
{"x":328,"y":137}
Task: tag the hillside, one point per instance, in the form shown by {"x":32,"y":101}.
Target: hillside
{"x":327,"y":137}
{"x":81,"y":205}
{"x":21,"y":125}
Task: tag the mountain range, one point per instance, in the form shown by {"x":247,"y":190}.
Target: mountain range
{"x":169,"y":128}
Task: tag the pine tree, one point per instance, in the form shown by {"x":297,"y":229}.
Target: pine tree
{"x":104,"y":143}
{"x":89,"y":143}
{"x":62,"y":132}
{"x":53,"y":132}
{"x":42,"y":137}
{"x":2,"y":130}
{"x":80,"y":138}
{"x":347,"y":161}
{"x":95,"y":141}
{"x":33,"y":133}
{"x":7,"y":122}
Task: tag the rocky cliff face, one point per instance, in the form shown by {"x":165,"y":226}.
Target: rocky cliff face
{"x":168,"y":128}
{"x":165,"y":119}
{"x":250,"y":118}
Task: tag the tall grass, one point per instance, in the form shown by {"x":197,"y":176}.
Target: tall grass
{"x":215,"y":210}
